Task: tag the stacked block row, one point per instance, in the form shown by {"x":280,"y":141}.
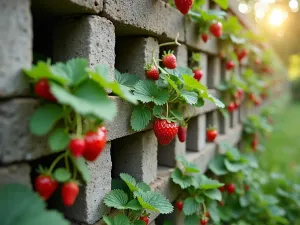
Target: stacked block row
{"x":121,"y":34}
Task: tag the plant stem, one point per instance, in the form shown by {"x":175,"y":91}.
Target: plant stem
{"x":167,"y":109}
{"x":204,"y":208}
{"x":55,"y":162}
{"x":171,"y":43}
{"x":79,"y":124}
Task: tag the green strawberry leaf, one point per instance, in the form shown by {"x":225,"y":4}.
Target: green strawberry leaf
{"x":82,"y":168}
{"x":234,"y":166}
{"x":126,"y":79}
{"x":130,"y":181}
{"x":190,"y":206}
{"x":188,"y":166}
{"x":21,"y":206}
{"x":146,"y":91}
{"x":157,"y":110}
{"x":190,"y":97}
{"x":222,"y":3}
{"x":61,"y":175}
{"x":191,"y":220}
{"x":214,"y":194}
{"x":73,"y":70}
{"x":184,"y":181}
{"x":232,"y":154}
{"x":177,"y":114}
{"x":203,"y":182}
{"x":44,"y":119}
{"x":200,"y":102}
{"x":116,"y":199}
{"x":140,"y":117}
{"x":58,"y":139}
{"x":191,"y":83}
{"x":117,"y":220}
{"x":217,"y":165}
{"x":89,"y":99}
{"x":134,"y":205}
{"x":143,"y":186}
{"x":154,"y":201}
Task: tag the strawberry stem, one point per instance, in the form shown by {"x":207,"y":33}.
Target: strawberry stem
{"x":204,"y":208}
{"x":167,"y":109}
{"x":79,"y":125}
{"x":55,"y":162}
{"x":171,"y":43}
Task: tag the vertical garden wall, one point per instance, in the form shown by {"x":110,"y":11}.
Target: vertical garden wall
{"x":122,"y":35}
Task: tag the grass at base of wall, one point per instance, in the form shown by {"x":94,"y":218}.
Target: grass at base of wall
{"x":283,"y":147}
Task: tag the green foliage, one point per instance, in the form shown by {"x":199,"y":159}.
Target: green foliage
{"x":134,"y":200}
{"x":20,"y":206}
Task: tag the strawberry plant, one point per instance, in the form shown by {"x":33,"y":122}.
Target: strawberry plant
{"x":198,"y":192}
{"x":74,"y":105}
{"x":133,"y":201}
{"x":168,"y":99}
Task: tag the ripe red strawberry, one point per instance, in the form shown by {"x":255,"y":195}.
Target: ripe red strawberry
{"x":152,"y":72}
{"x":252,"y":97}
{"x":254,"y":142}
{"x":179,"y":205}
{"x":45,"y":185}
{"x":169,"y":60}
{"x":236,"y":105}
{"x":242,"y":54}
{"x":222,"y":189}
{"x":145,"y":219}
{"x":198,"y":74}
{"x":229,"y":65}
{"x":230,"y":188}
{"x":77,"y":147}
{"x":207,"y":214}
{"x":239,"y":93}
{"x":216,"y":29}
{"x":247,"y":187}
{"x":94,"y":144}
{"x":204,"y":37}
{"x":182,"y":133}
{"x":221,"y":203}
{"x":204,"y":221}
{"x":211,"y":134}
{"x":257,"y":101}
{"x":184,"y":6}
{"x":165,"y":131}
{"x":42,"y":89}
{"x":231,"y":107}
{"x":69,"y":192}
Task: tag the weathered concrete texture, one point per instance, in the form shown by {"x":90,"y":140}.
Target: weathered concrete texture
{"x":181,"y":53}
{"x":224,"y":123}
{"x":234,"y":118}
{"x":133,"y":53}
{"x":212,"y":119}
{"x":167,"y":153}
{"x":196,"y":137}
{"x":136,"y":155}
{"x":193,"y":39}
{"x":18,"y":173}
{"x":16,"y":142}
{"x":202,"y":159}
{"x":66,"y":7}
{"x":15,"y":46}
{"x":231,"y":138}
{"x":89,"y":206}
{"x":203,"y":66}
{"x":214,"y":71}
{"x":91,"y":37}
{"x":145,"y":17}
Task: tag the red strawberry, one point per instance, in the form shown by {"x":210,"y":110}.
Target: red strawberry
{"x":252,"y":97}
{"x":242,"y":54}
{"x":229,"y":65}
{"x":69,"y":192}
{"x":182,"y":133}
{"x":247,"y":187}
{"x":257,"y":101}
{"x":77,"y":147}
{"x":211,"y":134}
{"x":165,"y":131}
{"x":207,"y":214}
{"x":221,"y":203}
{"x":254,"y":142}
{"x":230,"y":188}
{"x":236,"y":105}
{"x":152,"y":72}
{"x":204,"y":37}
{"x":222,"y":189}
{"x":231,"y":107}
{"x":204,"y":221}
{"x":45,"y":185}
{"x":239,"y":93}
{"x":179,"y":205}
{"x":42,"y":89}
{"x":184,"y":5}
{"x":145,"y":219}
{"x":169,"y":60}
{"x":198,"y":74}
{"x":216,"y":29}
{"x":94,"y":144}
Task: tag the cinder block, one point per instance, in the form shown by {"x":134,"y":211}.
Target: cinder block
{"x":214,"y":71}
{"x":16,"y":142}
{"x":91,"y":37}
{"x":15,"y":46}
{"x":66,"y":7}
{"x":133,"y":53}
{"x":196,"y":137}
{"x":144,"y":17}
{"x":181,"y":53}
{"x":234,"y":118}
{"x":224,"y":123}
{"x":89,"y":206}
{"x":17,"y":173}
{"x":193,"y":39}
{"x":212,"y":119}
{"x":203,"y":66}
{"x":136,"y":155}
{"x":167,"y":153}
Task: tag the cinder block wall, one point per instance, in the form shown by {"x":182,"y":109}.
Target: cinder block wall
{"x":121,"y":34}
